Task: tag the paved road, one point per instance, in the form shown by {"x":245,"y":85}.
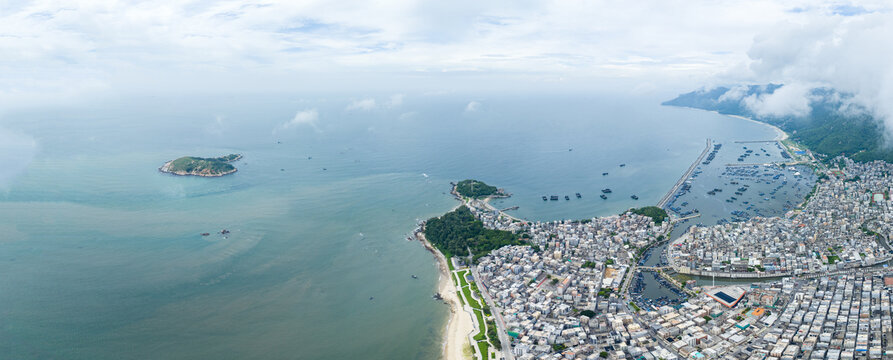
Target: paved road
{"x":497,"y":313}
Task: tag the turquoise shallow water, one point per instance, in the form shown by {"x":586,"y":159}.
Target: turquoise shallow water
{"x":101,"y":254}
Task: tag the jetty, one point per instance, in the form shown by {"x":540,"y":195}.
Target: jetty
{"x":685,"y":218}
{"x":663,"y":201}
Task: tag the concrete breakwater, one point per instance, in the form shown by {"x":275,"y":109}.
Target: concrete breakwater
{"x":663,"y":201}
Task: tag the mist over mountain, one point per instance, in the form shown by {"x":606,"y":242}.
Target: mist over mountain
{"x":829,"y":122}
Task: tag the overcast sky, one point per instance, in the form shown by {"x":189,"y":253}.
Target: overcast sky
{"x":70,"y":51}
{"x":66,"y":48}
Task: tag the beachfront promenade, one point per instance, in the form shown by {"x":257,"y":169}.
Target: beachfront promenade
{"x":663,"y":201}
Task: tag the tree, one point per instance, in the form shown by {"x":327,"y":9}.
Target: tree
{"x":656,"y":214}
{"x":458,"y":231}
{"x":475,"y":189}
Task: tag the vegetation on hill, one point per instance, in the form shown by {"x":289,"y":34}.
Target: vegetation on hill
{"x":457,"y":232}
{"x":833,"y":126}
{"x":655,"y":213}
{"x":191,"y":165}
{"x":475,"y":189}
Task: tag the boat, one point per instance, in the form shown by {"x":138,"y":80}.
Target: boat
{"x":634,"y":197}
{"x":415,"y":277}
{"x":622,"y":165}
{"x":579,"y":196}
{"x":206,"y":234}
{"x":553,"y":197}
{"x":567,"y":197}
{"x":604,"y":174}
{"x":603,"y":197}
{"x":545,"y":198}
{"x":606,"y":190}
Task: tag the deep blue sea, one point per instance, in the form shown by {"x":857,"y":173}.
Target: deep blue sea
{"x":101,"y":255}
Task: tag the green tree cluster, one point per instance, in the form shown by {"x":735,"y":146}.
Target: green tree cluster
{"x":475,"y":189}
{"x":458,"y":231}
{"x":655,"y":213}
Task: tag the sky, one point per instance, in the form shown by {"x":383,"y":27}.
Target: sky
{"x":70,"y":48}
{"x":70,"y":51}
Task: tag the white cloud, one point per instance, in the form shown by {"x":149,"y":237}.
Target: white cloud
{"x":473,"y":106}
{"x":52,"y":48}
{"x":364,"y":105}
{"x":16,"y":152}
{"x":735,"y":93}
{"x":791,"y":99}
{"x":852,"y":54}
{"x":302,"y":118}
{"x":395,"y":101}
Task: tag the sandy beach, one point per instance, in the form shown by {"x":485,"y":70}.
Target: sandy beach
{"x":460,"y":325}
{"x":779,"y":134}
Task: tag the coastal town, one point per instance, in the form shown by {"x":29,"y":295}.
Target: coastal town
{"x":812,"y":284}
{"x":838,"y":229}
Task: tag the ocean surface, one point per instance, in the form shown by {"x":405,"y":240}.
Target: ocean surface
{"x":101,"y":255}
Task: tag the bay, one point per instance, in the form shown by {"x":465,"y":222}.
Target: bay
{"x":102,"y":256}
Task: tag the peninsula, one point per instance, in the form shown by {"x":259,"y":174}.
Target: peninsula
{"x":197,"y":166}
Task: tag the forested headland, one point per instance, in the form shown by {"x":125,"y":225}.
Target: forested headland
{"x":458,"y":231}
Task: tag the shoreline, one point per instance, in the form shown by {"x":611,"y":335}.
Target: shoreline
{"x":780,"y":135}
{"x":460,"y":324}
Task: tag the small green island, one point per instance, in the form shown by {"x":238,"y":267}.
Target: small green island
{"x":197,"y":166}
{"x":477,"y":189}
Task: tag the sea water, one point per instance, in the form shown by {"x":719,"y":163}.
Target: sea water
{"x":102,"y":256}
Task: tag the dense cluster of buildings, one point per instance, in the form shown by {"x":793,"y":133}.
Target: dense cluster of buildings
{"x":563,"y":297}
{"x":543,"y":291}
{"x":554,"y":310}
{"x":834,"y":231}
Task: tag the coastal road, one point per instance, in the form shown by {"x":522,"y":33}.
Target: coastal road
{"x":497,"y":313}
